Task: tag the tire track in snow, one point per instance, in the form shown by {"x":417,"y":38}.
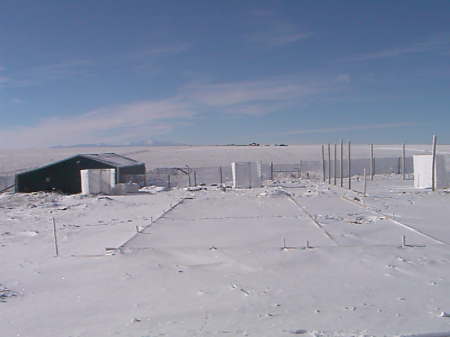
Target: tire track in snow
{"x":309,"y":215}
{"x":398,"y":223}
{"x":123,"y":245}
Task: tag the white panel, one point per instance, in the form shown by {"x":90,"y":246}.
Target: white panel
{"x":98,"y":181}
{"x":423,"y":166}
{"x":246,"y":174}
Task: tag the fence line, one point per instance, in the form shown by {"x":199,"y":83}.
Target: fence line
{"x":222,"y":175}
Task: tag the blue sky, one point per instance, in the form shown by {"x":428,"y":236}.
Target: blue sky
{"x":217,"y":72}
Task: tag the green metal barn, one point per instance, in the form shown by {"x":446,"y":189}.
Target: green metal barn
{"x":64,"y":175}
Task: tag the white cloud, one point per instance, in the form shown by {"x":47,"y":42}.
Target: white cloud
{"x":168,"y":49}
{"x":278,"y":38}
{"x":435,"y":43}
{"x":344,"y":78}
{"x":117,"y":124}
{"x":350,"y":128}
{"x":252,"y":97}
{"x":137,"y":121}
{"x":48,"y":72}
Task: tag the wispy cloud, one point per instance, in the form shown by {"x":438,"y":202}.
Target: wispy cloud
{"x":278,"y":38}
{"x":432,"y":44}
{"x":262,"y":12}
{"x":115,"y":124}
{"x":273,"y":31}
{"x":67,"y":69}
{"x":254,"y":97}
{"x":168,"y":49}
{"x":48,"y":72}
{"x":350,"y":128}
{"x":136,"y":121}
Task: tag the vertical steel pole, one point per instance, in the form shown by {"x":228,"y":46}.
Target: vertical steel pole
{"x":323,"y":163}
{"x":365,"y":183}
{"x":335,"y":163}
{"x":55,"y":237}
{"x":433,"y":166}
{"x":403,"y":162}
{"x":342,"y":163}
{"x":329,"y":164}
{"x":372,"y":163}
{"x":271,"y":170}
{"x":349,"y":167}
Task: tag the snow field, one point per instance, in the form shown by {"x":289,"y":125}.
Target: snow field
{"x":214,"y":264}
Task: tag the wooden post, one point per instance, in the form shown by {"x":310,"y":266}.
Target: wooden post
{"x":433,"y":166}
{"x":323,"y":163}
{"x":189,"y":178}
{"x":365,"y":183}
{"x":168,"y":181}
{"x":55,"y":237}
{"x":403,"y":162}
{"x":300,"y":168}
{"x":335,"y":163}
{"x":329,"y":164}
{"x":195,"y":178}
{"x":349,"y":167}
{"x":220,"y":175}
{"x":372,"y":163}
{"x":342,"y":163}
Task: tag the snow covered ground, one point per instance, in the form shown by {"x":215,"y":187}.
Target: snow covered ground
{"x":297,"y":257}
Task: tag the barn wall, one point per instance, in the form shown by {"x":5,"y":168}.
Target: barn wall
{"x":63,"y":176}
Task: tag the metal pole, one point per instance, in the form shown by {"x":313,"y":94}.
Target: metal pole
{"x":55,"y":237}
{"x":271,"y":170}
{"x":349,"y":167}
{"x":220,"y":175}
{"x":403,"y":162}
{"x":372,"y":163}
{"x":329,"y":164}
{"x":433,"y":167}
{"x":195,"y":178}
{"x":365,"y":183}
{"x":323,"y":163}
{"x":168,"y":181}
{"x":249,"y":175}
{"x":342,"y":163}
{"x":335,"y":156}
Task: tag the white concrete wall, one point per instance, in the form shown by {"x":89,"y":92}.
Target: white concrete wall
{"x":247,"y":174}
{"x":98,"y":181}
{"x":423,"y":171}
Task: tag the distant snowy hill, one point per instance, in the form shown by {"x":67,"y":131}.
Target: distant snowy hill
{"x":149,"y":142}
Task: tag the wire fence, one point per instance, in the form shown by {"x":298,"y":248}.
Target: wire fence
{"x":222,"y":175}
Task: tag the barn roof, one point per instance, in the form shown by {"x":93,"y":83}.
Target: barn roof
{"x":112,"y":159}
